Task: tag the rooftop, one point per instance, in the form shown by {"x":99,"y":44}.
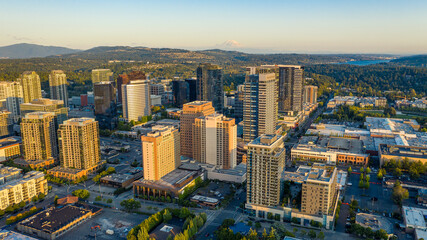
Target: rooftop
{"x":266,"y":140}
{"x":317,"y":172}
{"x":116,"y":177}
{"x":27,"y":177}
{"x":78,"y":121}
{"x":38,"y":115}
{"x":403,"y":151}
{"x":53,"y":219}
{"x":414,"y":217}
{"x":5,"y":142}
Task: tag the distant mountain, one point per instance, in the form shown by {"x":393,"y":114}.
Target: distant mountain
{"x":416,"y":61}
{"x":25,"y":50}
{"x":168,"y":55}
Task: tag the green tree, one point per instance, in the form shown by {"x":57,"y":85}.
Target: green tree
{"x":349,"y":170}
{"x":257,"y":225}
{"x":399,"y":193}
{"x":312,"y":234}
{"x":368,"y":170}
{"x":321,"y":235}
{"x":81,"y":193}
{"x":130,"y":204}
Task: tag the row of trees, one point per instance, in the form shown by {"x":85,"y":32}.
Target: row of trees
{"x":368,"y":233}
{"x":23,"y":215}
{"x":191,"y":224}
{"x":109,"y":171}
{"x":414,"y":168}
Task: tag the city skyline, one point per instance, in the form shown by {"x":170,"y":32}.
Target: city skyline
{"x":394,"y":27}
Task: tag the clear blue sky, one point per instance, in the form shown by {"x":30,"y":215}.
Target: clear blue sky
{"x":310,"y":26}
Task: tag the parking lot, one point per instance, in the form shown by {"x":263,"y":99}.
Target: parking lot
{"x":215,"y":190}
{"x":108,"y":219}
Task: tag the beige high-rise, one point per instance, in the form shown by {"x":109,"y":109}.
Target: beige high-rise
{"x":160,"y":152}
{"x":58,"y":86}
{"x":215,"y":140}
{"x":39,"y":136}
{"x":31,"y":86}
{"x":46,"y":105}
{"x":190,"y":112}
{"x":266,"y":161}
{"x":102,"y":75}
{"x":5,"y":123}
{"x":78,"y":140}
{"x":310,"y":94}
{"x":12,"y":93}
{"x":319,"y":190}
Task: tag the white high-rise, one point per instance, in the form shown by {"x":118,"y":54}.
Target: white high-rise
{"x":12,"y":94}
{"x":136,"y":100}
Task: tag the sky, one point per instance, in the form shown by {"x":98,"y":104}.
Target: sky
{"x":300,"y":26}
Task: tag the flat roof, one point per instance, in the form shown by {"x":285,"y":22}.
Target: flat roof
{"x":403,"y":151}
{"x":116,"y":177}
{"x":414,"y":217}
{"x":5,"y":142}
{"x":53,"y":219}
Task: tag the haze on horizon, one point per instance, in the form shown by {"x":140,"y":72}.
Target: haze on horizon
{"x":307,"y":26}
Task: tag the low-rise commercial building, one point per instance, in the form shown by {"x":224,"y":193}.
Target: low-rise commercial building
{"x":397,"y":152}
{"x":121,"y":180}
{"x":53,"y":222}
{"x":331,"y":150}
{"x":414,"y":218}
{"x":235,"y":175}
{"x":10,"y":148}
{"x":171,"y":184}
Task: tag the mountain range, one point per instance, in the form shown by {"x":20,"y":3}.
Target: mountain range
{"x":170,"y":55}
{"x":25,"y":50}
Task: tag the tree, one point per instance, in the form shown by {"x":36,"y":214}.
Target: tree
{"x":81,"y":193}
{"x":368,"y":170}
{"x":167,"y":216}
{"x":321,"y":235}
{"x":130,"y":204}
{"x":362,"y":170}
{"x":264,"y":234}
{"x":257,"y":225}
{"x":399,"y":193}
{"x":349,"y":170}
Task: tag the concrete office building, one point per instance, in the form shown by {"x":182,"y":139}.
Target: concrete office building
{"x":215,"y":141}
{"x":157,"y":89}
{"x":266,"y":161}
{"x":31,"y":86}
{"x":310,"y":94}
{"x":46,"y":105}
{"x":5,"y":124}
{"x":39,"y":137}
{"x":58,"y":86}
{"x":12,"y":93}
{"x":190,"y":112}
{"x":22,"y":189}
{"x":260,"y":103}
{"x":136,"y":100}
{"x":160,"y":152}
{"x":209,"y":85}
{"x":102,"y":75}
{"x":290,"y":86}
{"x":125,"y":79}
{"x":105,"y":104}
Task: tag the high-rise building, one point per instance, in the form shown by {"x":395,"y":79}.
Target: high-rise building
{"x":39,"y":136}
{"x":126,"y":78}
{"x":12,"y":93}
{"x":238,"y":103}
{"x":160,"y":152}
{"x":105,"y":104}
{"x":78,"y":141}
{"x":319,"y":190}
{"x":102,"y":75}
{"x":259,"y":104}
{"x":157,"y":89}
{"x":136,"y":100}
{"x":31,"y":86}
{"x":58,"y":86}
{"x":210,"y":85}
{"x":5,"y":124}
{"x":190,"y":112}
{"x":192,"y":89}
{"x":215,"y":140}
{"x":46,"y":105}
{"x":310,"y":94}
{"x":180,"y":90}
{"x":265,"y":163}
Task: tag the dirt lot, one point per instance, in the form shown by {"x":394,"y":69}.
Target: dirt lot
{"x":117,"y":221}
